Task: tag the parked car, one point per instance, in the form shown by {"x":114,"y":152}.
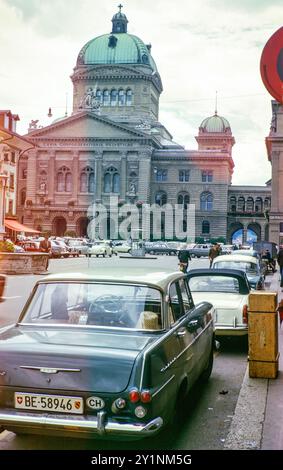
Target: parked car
{"x":200,"y":250}
{"x":104,"y":353}
{"x":160,"y":248}
{"x":121,"y":247}
{"x":249,"y":264}
{"x":80,"y":245}
{"x":228,"y":290}
{"x":249,"y":252}
{"x":98,"y":248}
{"x":29,"y":245}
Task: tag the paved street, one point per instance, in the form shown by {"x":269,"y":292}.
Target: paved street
{"x":208,"y":407}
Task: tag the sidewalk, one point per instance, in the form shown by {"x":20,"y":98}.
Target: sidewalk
{"x":258,"y":417}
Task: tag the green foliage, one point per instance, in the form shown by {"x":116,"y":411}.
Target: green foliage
{"x":6,"y":246}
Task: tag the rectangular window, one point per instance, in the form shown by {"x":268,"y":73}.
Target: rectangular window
{"x":207,"y":176}
{"x":161,"y":175}
{"x":184,"y":176}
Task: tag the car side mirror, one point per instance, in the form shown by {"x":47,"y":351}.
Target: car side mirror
{"x":193,"y":325}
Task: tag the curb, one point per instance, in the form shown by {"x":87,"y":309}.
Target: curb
{"x":246,"y":428}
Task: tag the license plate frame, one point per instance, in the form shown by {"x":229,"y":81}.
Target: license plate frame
{"x":48,"y":403}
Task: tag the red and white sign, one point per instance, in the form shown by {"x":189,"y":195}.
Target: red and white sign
{"x":271,"y":65}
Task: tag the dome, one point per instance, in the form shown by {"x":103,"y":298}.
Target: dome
{"x":116,"y":48}
{"x":215,"y":124}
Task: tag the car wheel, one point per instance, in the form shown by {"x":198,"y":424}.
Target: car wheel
{"x":206,"y":373}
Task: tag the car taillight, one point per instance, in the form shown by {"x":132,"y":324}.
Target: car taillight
{"x":145,"y":396}
{"x":134,"y":395}
{"x":245,"y":314}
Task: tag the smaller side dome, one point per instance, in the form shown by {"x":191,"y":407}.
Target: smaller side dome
{"x":215,"y":124}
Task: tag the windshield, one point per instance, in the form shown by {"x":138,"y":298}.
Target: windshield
{"x":214,"y":284}
{"x":242,"y":265}
{"x":112,"y":305}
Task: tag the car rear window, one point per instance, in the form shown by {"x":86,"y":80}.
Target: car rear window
{"x":214,"y":284}
{"x":96,"y":304}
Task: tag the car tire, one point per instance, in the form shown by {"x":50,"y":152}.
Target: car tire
{"x":206,"y":373}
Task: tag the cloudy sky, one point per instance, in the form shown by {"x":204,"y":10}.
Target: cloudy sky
{"x":199,"y":47}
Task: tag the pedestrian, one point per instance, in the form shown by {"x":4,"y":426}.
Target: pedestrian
{"x":280,"y":262}
{"x":213,"y":253}
{"x":45,"y":247}
{"x":184,"y":257}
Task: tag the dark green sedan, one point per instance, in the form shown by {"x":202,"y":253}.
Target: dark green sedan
{"x":103,"y":353}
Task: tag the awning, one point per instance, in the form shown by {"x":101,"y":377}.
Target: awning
{"x":17,"y":227}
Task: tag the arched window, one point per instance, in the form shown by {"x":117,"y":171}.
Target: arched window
{"x":250,"y":204}
{"x":111,"y":180}
{"x":206,"y":202}
{"x":241,"y":204}
{"x":113,"y":98}
{"x":160,"y":198}
{"x":107,"y":183}
{"x":60,"y":182}
{"x":68,"y":184}
{"x":106,"y":98}
{"x":23,"y":195}
{"x":87,"y":184}
{"x":258,"y":204}
{"x":233,"y":204}
{"x":83,"y":182}
{"x":98,"y":95}
{"x":129,"y":97}
{"x":205,"y":227}
{"x":121,"y":98}
{"x":64,"y":180}
{"x":91,"y":182}
{"x":116,"y":183}
{"x":161,"y":175}
{"x":184,"y":199}
{"x":266,"y":203}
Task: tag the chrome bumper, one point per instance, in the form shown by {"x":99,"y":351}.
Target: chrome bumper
{"x":99,"y":424}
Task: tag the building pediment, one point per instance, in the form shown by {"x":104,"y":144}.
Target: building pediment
{"x":86,"y":125}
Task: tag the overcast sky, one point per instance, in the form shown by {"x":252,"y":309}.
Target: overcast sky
{"x":199,"y":47}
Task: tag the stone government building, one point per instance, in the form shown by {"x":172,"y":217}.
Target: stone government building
{"x":114,"y":145}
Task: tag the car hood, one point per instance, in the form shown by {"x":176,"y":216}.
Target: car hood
{"x":104,"y":359}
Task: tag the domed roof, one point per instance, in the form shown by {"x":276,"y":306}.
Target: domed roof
{"x":215,"y":123}
{"x":116,"y":48}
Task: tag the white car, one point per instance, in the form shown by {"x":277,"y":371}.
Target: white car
{"x":121,"y":247}
{"x":228,"y":291}
{"x":99,"y":248}
{"x":246,"y":263}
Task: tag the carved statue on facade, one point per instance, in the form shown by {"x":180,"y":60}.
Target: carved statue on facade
{"x":89,"y":100}
{"x":33,"y":124}
{"x":132,"y":189}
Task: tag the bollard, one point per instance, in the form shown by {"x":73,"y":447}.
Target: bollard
{"x":263,"y":335}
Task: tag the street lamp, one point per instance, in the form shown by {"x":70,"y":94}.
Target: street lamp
{"x":3,"y":185}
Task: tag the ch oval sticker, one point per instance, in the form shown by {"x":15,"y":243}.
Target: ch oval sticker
{"x":95,"y":403}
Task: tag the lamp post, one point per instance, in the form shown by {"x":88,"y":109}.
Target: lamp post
{"x":3,"y":184}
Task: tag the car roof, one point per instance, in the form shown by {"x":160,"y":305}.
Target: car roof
{"x":237,"y":258}
{"x":236,"y":273}
{"x":146,"y":275}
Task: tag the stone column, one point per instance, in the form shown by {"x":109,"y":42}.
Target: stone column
{"x":244,"y":234}
{"x":51,"y":177}
{"x":76,"y":176}
{"x":31,"y":176}
{"x":99,"y":176}
{"x":123,"y":188}
{"x":144,"y":176}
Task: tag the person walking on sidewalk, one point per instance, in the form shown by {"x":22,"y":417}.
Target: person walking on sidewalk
{"x":280,"y":262}
{"x":45,"y":247}
{"x":213,"y":252}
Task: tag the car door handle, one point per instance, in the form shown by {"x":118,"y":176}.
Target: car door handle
{"x":181,"y":332}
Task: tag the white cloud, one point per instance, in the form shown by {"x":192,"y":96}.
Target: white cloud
{"x":199,"y":47}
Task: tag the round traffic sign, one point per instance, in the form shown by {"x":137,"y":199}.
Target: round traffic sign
{"x":271,"y":65}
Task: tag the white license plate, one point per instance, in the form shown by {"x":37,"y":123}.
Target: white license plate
{"x":34,"y":401}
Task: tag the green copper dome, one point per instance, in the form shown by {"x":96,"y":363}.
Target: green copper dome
{"x":118,"y":48}
{"x":215,"y":124}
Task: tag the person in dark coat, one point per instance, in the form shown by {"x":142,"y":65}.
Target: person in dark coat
{"x":280,"y":262}
{"x":184,"y":257}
